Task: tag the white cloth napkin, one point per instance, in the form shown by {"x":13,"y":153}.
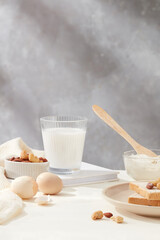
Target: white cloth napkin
{"x":14,"y":148}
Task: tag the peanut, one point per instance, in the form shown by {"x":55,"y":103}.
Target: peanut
{"x":33,"y":158}
{"x":158,"y":185}
{"x":117,"y":219}
{"x":24,"y":155}
{"x":16,"y":160}
{"x":97,"y":215}
{"x":36,"y":159}
{"x":108,"y":214}
{"x":149,"y":185}
{"x":43,"y":159}
{"x":156,"y":182}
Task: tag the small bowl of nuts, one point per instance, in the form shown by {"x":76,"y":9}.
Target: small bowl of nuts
{"x":27,"y":164}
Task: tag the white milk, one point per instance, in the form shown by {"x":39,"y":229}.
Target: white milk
{"x":64,"y":147}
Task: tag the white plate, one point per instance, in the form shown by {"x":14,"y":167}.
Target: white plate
{"x":118,"y":196}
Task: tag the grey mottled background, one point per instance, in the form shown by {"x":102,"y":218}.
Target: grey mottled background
{"x":60,"y":57}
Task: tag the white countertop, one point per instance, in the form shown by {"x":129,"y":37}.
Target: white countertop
{"x":70,"y":218}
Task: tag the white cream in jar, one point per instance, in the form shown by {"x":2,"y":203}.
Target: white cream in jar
{"x":142,"y":167}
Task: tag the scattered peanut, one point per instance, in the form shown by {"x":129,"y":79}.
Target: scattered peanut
{"x":117,"y":219}
{"x":97,"y":215}
{"x":108,"y":214}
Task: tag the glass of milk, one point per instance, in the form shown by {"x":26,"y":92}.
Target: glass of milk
{"x":63,"y":140}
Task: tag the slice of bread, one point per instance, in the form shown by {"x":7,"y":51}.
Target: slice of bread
{"x":138,"y":199}
{"x":140,"y":187}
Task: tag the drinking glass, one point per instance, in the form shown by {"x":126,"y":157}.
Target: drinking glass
{"x":63,"y":140}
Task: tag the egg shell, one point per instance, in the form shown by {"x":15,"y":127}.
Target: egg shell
{"x":49,"y":183}
{"x":43,"y":200}
{"x":25,"y":187}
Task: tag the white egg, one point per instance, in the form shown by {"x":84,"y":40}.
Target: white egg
{"x":25,"y":187}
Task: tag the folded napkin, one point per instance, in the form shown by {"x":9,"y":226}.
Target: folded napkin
{"x":14,"y":147}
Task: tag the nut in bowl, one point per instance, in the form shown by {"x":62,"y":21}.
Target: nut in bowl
{"x":142,"y":167}
{"x":25,"y":165}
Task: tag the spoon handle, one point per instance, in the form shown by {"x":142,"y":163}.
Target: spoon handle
{"x":114,"y":125}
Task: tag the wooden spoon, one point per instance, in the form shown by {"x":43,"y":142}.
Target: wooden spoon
{"x":115,"y":126}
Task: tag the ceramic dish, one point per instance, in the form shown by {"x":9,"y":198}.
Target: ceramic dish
{"x":118,"y":196}
{"x":17,"y":169}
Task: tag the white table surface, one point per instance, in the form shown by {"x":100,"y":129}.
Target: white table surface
{"x":70,"y":218}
